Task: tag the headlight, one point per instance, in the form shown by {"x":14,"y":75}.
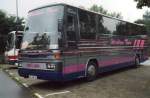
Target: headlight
{"x":51,"y":66}
{"x":19,"y":65}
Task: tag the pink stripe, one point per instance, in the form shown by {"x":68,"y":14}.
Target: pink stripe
{"x":142,"y":43}
{"x":115,"y":61}
{"x":138,"y":43}
{"x":81,"y":67}
{"x":135,"y":43}
{"x":73,"y":68}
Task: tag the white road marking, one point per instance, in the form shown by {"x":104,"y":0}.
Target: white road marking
{"x":11,"y":73}
{"x":146,"y":63}
{"x":56,"y":93}
{"x":38,"y":95}
{"x":24,"y":84}
{"x":6,"y":70}
{"x":17,"y":78}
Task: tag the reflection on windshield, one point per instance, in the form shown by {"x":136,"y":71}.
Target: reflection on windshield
{"x":42,"y":27}
{"x":40,"y":41}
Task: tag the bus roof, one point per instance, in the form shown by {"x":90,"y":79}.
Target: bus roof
{"x":85,"y":10}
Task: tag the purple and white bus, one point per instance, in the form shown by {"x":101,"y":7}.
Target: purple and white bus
{"x":62,"y":42}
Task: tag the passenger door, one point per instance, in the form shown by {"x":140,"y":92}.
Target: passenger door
{"x":71,"y":32}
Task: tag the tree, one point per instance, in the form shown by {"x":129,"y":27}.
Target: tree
{"x":117,"y":15}
{"x":142,"y":3}
{"x":145,"y":20}
{"x":82,"y":7}
{"x":100,"y":9}
{"x":3,"y":22}
{"x":146,"y":16}
{"x":14,"y":24}
{"x":7,"y":24}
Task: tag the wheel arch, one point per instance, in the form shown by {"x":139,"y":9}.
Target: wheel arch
{"x":91,"y":60}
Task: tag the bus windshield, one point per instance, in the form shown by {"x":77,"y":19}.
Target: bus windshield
{"x":41,"y":31}
{"x":10,"y":41}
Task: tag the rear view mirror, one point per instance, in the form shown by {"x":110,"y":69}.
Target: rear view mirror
{"x":7,"y":46}
{"x":60,"y":25}
{"x":27,"y":28}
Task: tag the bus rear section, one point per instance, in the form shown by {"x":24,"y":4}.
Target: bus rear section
{"x":13,"y":46}
{"x":62,"y":42}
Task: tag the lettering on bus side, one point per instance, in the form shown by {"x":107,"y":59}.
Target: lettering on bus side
{"x":121,"y":42}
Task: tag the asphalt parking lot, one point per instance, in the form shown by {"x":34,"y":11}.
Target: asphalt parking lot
{"x":124,"y":83}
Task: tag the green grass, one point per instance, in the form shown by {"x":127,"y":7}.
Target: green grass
{"x":3,"y":66}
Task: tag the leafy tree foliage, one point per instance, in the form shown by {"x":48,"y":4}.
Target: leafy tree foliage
{"x":146,"y":18}
{"x":7,"y":24}
{"x":3,"y":22}
{"x":142,"y":3}
{"x":100,"y":9}
{"x":145,"y":21}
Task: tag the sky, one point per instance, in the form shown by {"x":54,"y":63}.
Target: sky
{"x":126,"y":7}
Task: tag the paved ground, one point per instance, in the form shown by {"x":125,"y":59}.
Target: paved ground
{"x":10,"y":89}
{"x":125,"y":83}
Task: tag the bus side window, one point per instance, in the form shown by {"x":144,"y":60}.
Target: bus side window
{"x":87,"y":25}
{"x":70,"y":31}
{"x":70,"y":27}
{"x":18,"y":42}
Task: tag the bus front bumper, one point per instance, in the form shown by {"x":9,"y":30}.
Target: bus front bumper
{"x":12,"y":62}
{"x":41,"y":74}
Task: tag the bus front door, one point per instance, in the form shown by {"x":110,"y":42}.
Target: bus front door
{"x":71,"y":60}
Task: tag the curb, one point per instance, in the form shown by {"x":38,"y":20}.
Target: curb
{"x":11,"y":75}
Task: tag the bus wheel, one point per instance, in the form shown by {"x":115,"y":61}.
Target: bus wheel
{"x":137,"y":61}
{"x":91,"y":71}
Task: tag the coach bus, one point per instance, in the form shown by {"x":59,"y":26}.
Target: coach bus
{"x":13,"y":45}
{"x":62,"y":42}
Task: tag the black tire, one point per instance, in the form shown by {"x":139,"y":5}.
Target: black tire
{"x":91,"y":71}
{"x":137,"y":61}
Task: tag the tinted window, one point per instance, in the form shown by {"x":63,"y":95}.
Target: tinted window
{"x":87,"y":25}
{"x":142,"y":30}
{"x":10,"y":41}
{"x":129,"y":29}
{"x":18,"y":42}
{"x":92,"y":24}
{"x":70,"y":27}
{"x":110,"y":25}
{"x":117,"y":27}
{"x":100,"y":26}
{"x":121,"y":29}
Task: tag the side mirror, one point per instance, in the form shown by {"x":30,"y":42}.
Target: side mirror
{"x":26,"y":28}
{"x":60,"y":25}
{"x":6,"y":47}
